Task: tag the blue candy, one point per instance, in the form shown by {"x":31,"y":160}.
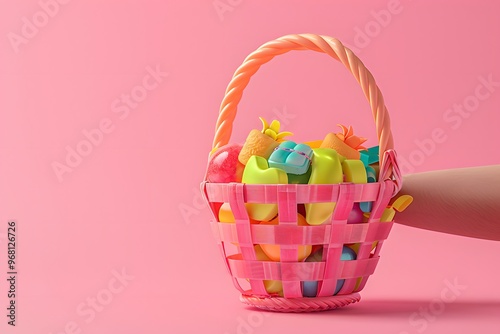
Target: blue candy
{"x":291,"y":157}
{"x":369,"y":156}
{"x":310,"y":288}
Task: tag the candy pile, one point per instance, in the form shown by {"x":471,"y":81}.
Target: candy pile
{"x":267,"y":158}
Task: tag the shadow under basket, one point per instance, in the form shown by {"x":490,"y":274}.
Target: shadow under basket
{"x":252,"y":275}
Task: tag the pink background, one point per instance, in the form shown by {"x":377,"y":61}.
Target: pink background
{"x":120,"y":207}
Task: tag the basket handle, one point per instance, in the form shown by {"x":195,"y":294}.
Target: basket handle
{"x":329,"y":45}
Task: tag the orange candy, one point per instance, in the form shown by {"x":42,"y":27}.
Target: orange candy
{"x":346,"y":143}
{"x":226,"y":215}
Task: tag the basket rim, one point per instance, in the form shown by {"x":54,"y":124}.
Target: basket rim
{"x":306,"y":193}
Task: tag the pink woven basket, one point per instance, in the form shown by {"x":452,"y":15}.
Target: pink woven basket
{"x":248,"y":274}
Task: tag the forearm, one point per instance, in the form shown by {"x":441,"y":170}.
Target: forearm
{"x":458,"y":201}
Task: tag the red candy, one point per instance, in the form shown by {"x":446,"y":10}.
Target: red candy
{"x":224,"y":166}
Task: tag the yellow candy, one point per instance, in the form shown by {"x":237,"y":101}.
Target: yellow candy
{"x":226,"y":215}
{"x":388,"y":215}
{"x":354,"y":171}
{"x":399,"y":205}
{"x":273,"y":251}
{"x":257,"y":171}
{"x":326,"y":169}
{"x":272,"y":286}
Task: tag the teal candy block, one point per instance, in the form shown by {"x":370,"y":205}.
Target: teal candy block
{"x":369,"y":156}
{"x":371,"y":177}
{"x":293,"y":158}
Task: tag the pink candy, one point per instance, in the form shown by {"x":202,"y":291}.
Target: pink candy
{"x":223,"y":166}
{"x":356,"y":215}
